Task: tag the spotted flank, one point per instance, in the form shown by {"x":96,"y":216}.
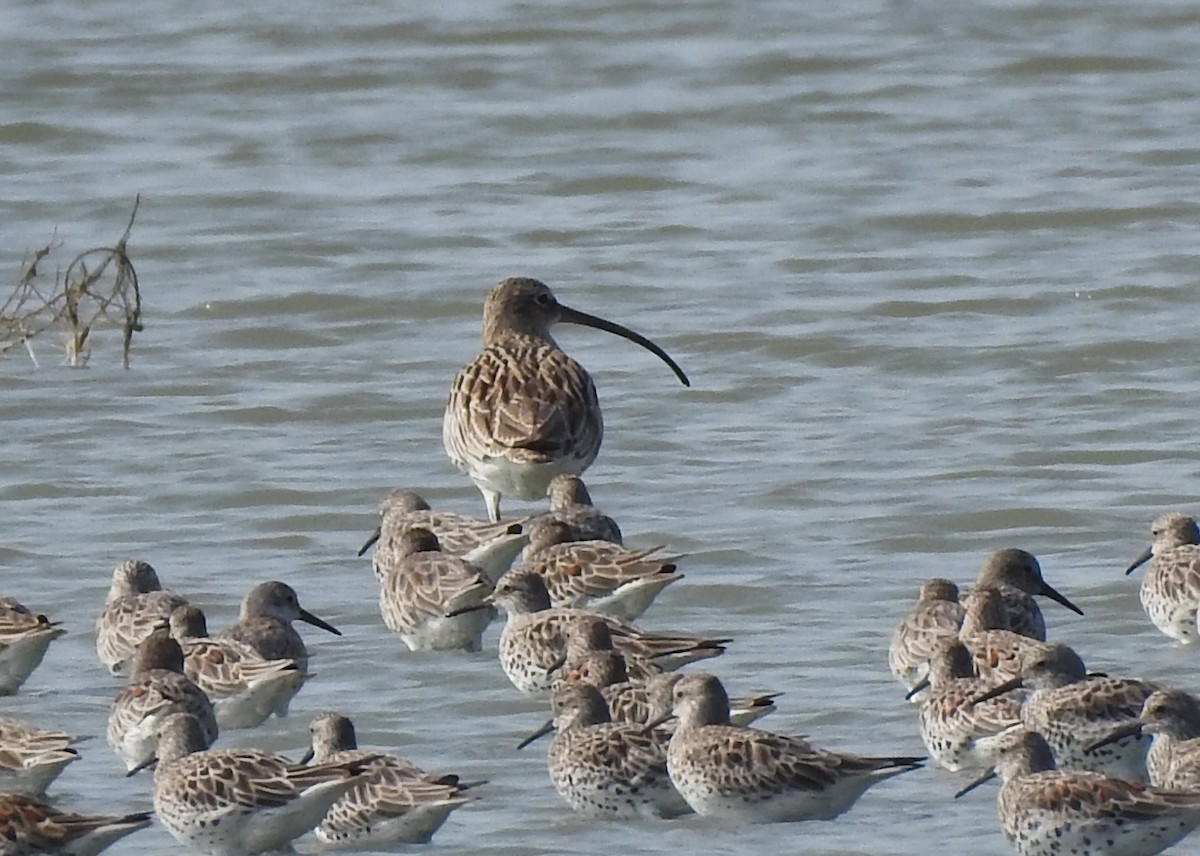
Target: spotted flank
{"x":1045,"y":811}
{"x":955,"y":728}
{"x":603,"y":768}
{"x":1170,"y":591}
{"x":1074,"y":711}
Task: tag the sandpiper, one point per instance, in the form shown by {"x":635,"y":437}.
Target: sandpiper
{"x":1046,"y":812}
{"x":421,"y":585}
{"x":244,"y":687}
{"x":998,"y":653}
{"x":265,"y":623}
{"x":754,"y":776}
{"x":395,"y":802}
{"x":522,"y":411}
{"x":1018,"y":576}
{"x":602,"y":576}
{"x":650,"y":700}
{"x":604,"y":768}
{"x":1172,"y":719}
{"x":28,"y":826}
{"x":590,"y":657}
{"x":571,"y":504}
{"x":1074,"y":711}
{"x":31,"y":758}
{"x":24,"y":638}
{"x":490,"y":546}
{"x":935,"y":618}
{"x":157,"y":688}
{"x":1170,"y":591}
{"x":135,"y":606}
{"x":237,"y":802}
{"x":533,"y":641}
{"x":954,"y":728}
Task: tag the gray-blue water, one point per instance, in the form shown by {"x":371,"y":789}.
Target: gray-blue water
{"x":932,"y":270}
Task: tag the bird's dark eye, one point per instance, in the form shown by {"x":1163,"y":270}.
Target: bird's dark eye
{"x":542,"y":299}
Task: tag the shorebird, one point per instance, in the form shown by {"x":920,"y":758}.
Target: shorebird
{"x":244,"y":687}
{"x":1018,"y":577}
{"x":571,"y":504}
{"x":604,"y":768}
{"x":534,"y":639}
{"x":598,"y":575}
{"x":31,"y":758}
{"x":421,"y":585}
{"x":396,"y":802}
{"x":648,"y":701}
{"x":157,"y":688}
{"x":754,"y":776}
{"x":954,"y":728}
{"x":265,"y":623}
{"x":1073,"y":711}
{"x":1170,"y":591}
{"x":29,"y":826}
{"x":998,"y":653}
{"x":1172,"y":718}
{"x":237,"y":802}
{"x":490,"y":546}
{"x":24,"y":638}
{"x":1044,"y":811}
{"x":522,"y":411}
{"x":934,"y":619}
{"x":135,"y":606}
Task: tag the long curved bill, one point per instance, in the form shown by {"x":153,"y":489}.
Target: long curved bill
{"x":574,"y":316}
{"x":1049,"y":591}
{"x":541,"y":732}
{"x":1145,"y":557}
{"x":309,"y":618}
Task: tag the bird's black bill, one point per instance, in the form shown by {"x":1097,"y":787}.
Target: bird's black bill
{"x":574,"y":316}
{"x":309,"y":618}
{"x":541,"y":732}
{"x":371,"y":541}
{"x":1050,"y":592}
{"x":1146,"y":556}
{"x":986,"y":777}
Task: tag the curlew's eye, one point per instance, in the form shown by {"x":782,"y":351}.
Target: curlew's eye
{"x":542,"y":299}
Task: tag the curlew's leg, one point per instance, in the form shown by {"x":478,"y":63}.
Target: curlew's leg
{"x":491,"y":498}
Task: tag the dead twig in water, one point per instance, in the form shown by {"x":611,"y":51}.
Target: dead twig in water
{"x":99,"y":285}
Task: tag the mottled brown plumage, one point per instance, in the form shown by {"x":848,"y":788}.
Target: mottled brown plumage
{"x":522,"y":411}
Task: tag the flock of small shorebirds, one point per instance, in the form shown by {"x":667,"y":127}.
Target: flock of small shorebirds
{"x":1091,"y":764}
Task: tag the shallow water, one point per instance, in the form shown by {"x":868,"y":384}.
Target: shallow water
{"x":932,"y":271}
